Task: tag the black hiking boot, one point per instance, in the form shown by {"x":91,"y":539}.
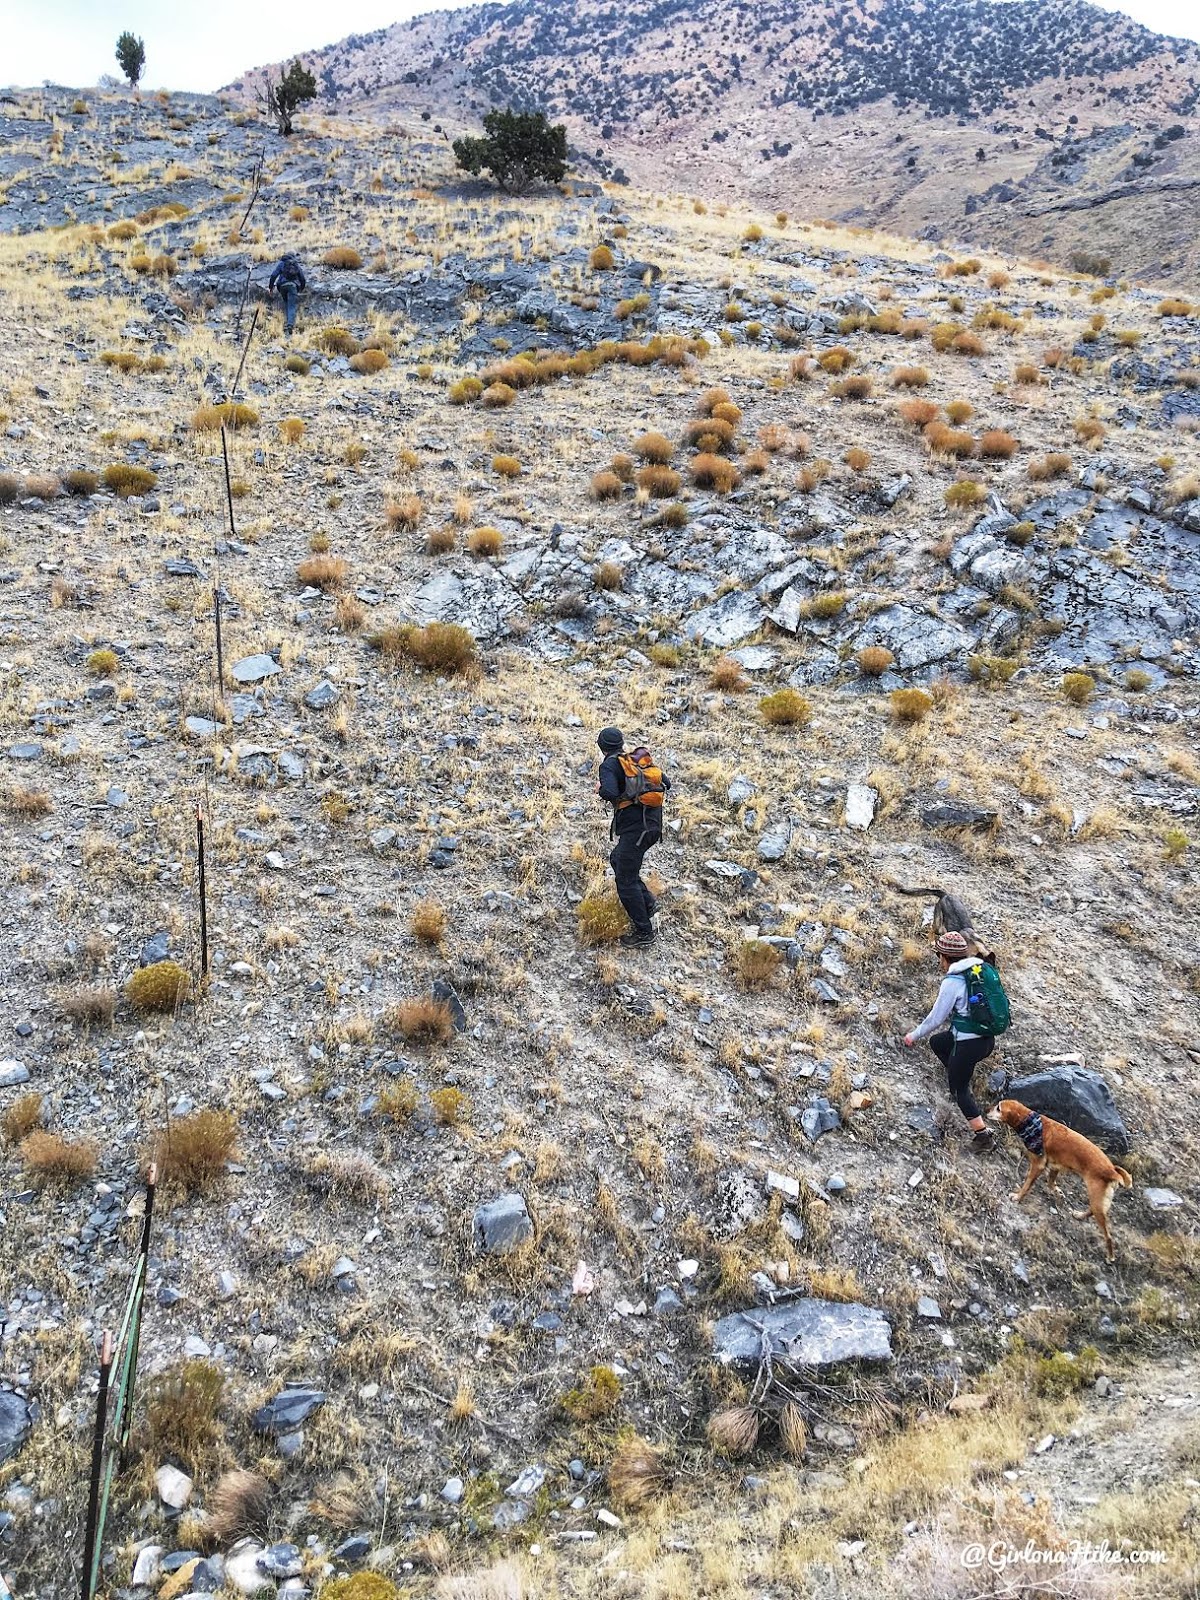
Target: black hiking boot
{"x":984,"y":1142}
{"x":639,"y":936}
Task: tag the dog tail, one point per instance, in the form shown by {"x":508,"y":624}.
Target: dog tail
{"x":1123,"y":1178}
{"x":900,"y":889}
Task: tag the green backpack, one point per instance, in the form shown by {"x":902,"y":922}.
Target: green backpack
{"x":987,"y":1004}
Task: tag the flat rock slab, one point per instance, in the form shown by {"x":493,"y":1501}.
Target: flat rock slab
{"x":253,"y":669}
{"x":860,"y":806}
{"x":15,"y":1423}
{"x":287,"y":1410}
{"x":503,"y":1224}
{"x":1078,"y":1098}
{"x":950,"y":814}
{"x":809,"y":1333}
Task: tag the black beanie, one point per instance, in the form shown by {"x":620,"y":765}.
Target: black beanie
{"x":610,"y":739}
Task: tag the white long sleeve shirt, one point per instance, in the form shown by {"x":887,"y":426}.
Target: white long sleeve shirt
{"x":951,"y":1000}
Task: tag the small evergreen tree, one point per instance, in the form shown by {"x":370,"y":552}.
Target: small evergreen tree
{"x":131,"y":57}
{"x":519,"y":148}
{"x":282,"y":99}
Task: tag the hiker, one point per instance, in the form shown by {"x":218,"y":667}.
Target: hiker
{"x":972,"y":1000}
{"x":288,"y":278}
{"x":635,"y":787}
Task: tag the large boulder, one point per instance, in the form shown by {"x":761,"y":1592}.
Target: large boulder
{"x":15,"y":1423}
{"x":502,"y":1224}
{"x":1077,"y":1097}
{"x":808,"y":1333}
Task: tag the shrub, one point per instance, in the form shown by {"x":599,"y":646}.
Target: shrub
{"x":506,"y":466}
{"x":1173,"y":306}
{"x":798,"y":368}
{"x":464,"y":391}
{"x":637,"y":1472}
{"x":992,"y":669}
{"x":957,"y":412}
{"x":162,"y":986}
{"x":786,"y":708}
{"x":19,"y":1120}
{"x":498,"y":394}
{"x":943,"y":335}
{"x":997,"y":445}
{"x":48,"y":1159}
{"x":606,"y":486}
{"x":440,"y":541}
{"x":857,"y":459}
{"x":823,"y":606}
{"x":811,"y":477}
{"x":125,"y":361}
{"x":1079,"y":687}
{"x":1137,"y":680}
{"x":10,"y":488}
{"x":874,"y":660}
{"x":140,"y":263}
{"x":298,"y":365}
{"x":421,"y":1021}
{"x":601,"y":918}
{"x":450,"y":1106}
{"x":602,"y":259}
{"x":653,"y":447}
{"x":102,"y":663}
{"x":125,"y":480}
{"x":123,"y":230}
{"x":622,"y":466}
{"x":485,"y":542}
{"x":756,"y":963}
{"x":946,"y":441}
{"x":397,"y":1100}
{"x":921,"y":413}
{"x":609,"y":576}
{"x":403,"y":513}
{"x":674,"y":516}
{"x":1055,"y":465}
{"x":963,"y":269}
{"x":89,"y":1006}
{"x":910,"y":705}
{"x":729,"y":676}
{"x":231,"y":414}
{"x":181,"y":1411}
{"x":438,"y":647}
{"x":660,"y":483}
{"x":291,"y":430}
{"x":239,"y":1503}
{"x":337,"y":341}
{"x":733,"y":1433}
{"x":1089,"y":429}
{"x":429,"y":922}
{"x":597,"y":1397}
{"x":726,"y":411}
{"x":635,"y":306}
{"x":965,"y":493}
{"x":714,"y":472}
{"x":756,"y":463}
{"x":665,"y":655}
{"x":856,"y":387}
{"x":837,"y":360}
{"x":709,"y":433}
{"x":909,"y":377}
{"x":327,"y":573}
{"x":342,"y":258}
{"x":27,"y":804}
{"x":1026,"y":372}
{"x":368,"y":362}
{"x":164,"y":266}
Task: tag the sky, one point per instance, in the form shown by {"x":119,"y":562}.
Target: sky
{"x":201,"y":46}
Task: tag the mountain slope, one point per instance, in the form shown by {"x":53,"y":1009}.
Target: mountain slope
{"x":927,"y":118}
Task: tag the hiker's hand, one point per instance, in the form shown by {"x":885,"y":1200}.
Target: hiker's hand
{"x":910,"y":1040}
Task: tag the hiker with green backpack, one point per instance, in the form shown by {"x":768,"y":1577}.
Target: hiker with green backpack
{"x":972,"y":1000}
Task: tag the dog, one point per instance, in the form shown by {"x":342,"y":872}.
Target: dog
{"x":1050,"y":1147}
{"x":950,"y":914}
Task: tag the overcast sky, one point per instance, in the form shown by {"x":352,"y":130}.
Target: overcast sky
{"x":206,"y":43}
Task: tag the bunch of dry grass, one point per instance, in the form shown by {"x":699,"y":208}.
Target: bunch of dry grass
{"x":342,"y":258}
{"x":609,"y":576}
{"x":733,"y":1433}
{"x":715,"y":473}
{"x":443,"y":647}
{"x":367,"y":362}
{"x":785,"y":708}
{"x":653,"y":447}
{"x":423,"y":1020}
{"x":191,"y":1151}
{"x":49,"y":1159}
{"x":325,"y":572}
{"x":660,"y":483}
{"x":837,"y":360}
{"x":89,"y":1006}
{"x":1057,"y":464}
{"x":601,"y":918}
{"x":997,"y":445}
{"x":238,"y":1506}
{"x":729,"y":676}
{"x":856,"y":387}
{"x":161,"y":987}
{"x":18,"y":1120}
{"x":126,"y":480}
{"x":964,"y":494}
{"x":181,"y":1412}
{"x":404,"y":512}
{"x":637,"y":1472}
{"x":874,"y":660}
{"x":606,"y":486}
{"x":756,"y":963}
{"x":429,"y":922}
{"x":910,"y":705}
{"x":25,"y":804}
{"x":919,"y":412}
{"x":909,"y":377}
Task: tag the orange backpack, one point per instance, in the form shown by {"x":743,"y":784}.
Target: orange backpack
{"x":643,"y":780}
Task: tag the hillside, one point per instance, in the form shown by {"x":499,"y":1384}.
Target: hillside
{"x":1050,"y":124}
{"x":893,"y":558}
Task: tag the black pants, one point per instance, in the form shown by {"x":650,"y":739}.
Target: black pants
{"x":288,"y":293}
{"x":960,"y":1054}
{"x":626,"y":861}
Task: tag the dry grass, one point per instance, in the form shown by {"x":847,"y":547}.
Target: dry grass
{"x":449,"y":1105}
{"x":606,"y":486}
{"x":440,"y":541}
{"x":1078,"y":687}
{"x":161,"y":987}
{"x":485,"y":542}
{"x":997,"y":445}
{"x":125,"y":481}
{"x":608,"y":576}
{"x":49,"y":1159}
{"x":367,"y":362}
{"x":637,"y":1473}
{"x":429,"y":922}
{"x":191,"y":1151}
{"x":715,"y":473}
{"x":756,"y":963}
{"x":785,"y":708}
{"x":230,"y":414}
{"x":324,"y":572}
{"x":733,"y":1433}
{"x":342,"y":258}
{"x":601,"y":919}
{"x":910,"y":705}
{"x":506,"y":466}
{"x":26,"y":805}
{"x":654,"y":447}
{"x":182,"y":1408}
{"x":438,"y":647}
{"x":89,"y":1006}
{"x":918,"y":412}
{"x":18,"y":1120}
{"x":337,"y":341}
{"x":729,"y":676}
{"x":423,"y":1020}
{"x":660,"y":483}
{"x":1055,"y":465}
{"x":874,"y":660}
{"x":238,"y":1506}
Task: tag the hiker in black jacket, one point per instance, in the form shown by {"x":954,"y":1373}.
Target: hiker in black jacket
{"x":288,"y":279}
{"x":634,"y":787}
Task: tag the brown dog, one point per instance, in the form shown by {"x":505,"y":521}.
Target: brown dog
{"x":1052,"y":1148}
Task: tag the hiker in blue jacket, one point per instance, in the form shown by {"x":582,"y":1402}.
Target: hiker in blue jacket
{"x":289,"y":281}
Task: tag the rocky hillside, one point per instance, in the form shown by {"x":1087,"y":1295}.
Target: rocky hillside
{"x":494,"y":1258}
{"x":950,"y":121}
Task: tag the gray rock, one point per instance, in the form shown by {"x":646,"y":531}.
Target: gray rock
{"x":861,"y":800}
{"x":666,"y":1303}
{"x":819,"y":1118}
{"x":253,"y":669}
{"x":816,"y":1333}
{"x":280,"y":1561}
{"x":928,"y":1308}
{"x":453,"y":1490}
{"x":1079,"y":1098}
{"x":25,"y":752}
{"x":954,"y":814}
{"x":201,"y":727}
{"x":12,"y":1073}
{"x":727,"y":621}
{"x":527,"y":1482}
{"x":325,"y":694}
{"x":182,"y":567}
{"x":510,"y":1514}
{"x":287,"y":1410}
{"x":441,"y":990}
{"x":891,"y":491}
{"x":502,"y":1224}
{"x":356,"y":1548}
{"x":1162,"y":1199}
{"x":739,"y":791}
{"x":16,"y":1419}
{"x":208,"y":1576}
{"x":147,"y":1566}
{"x":773,"y":844}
